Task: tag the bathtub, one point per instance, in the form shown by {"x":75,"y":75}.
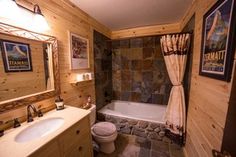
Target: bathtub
{"x":138,"y":111}
{"x":139,"y":119}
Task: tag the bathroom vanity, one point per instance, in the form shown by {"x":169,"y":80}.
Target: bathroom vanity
{"x":64,"y":133}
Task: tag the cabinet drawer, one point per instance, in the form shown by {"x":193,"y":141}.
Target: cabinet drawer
{"x":72,"y":137}
{"x":83,"y":149}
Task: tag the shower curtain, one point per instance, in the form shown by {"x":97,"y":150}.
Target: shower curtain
{"x":175,"y":48}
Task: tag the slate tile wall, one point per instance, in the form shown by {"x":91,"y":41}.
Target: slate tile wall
{"x":102,"y":69}
{"x":138,"y":71}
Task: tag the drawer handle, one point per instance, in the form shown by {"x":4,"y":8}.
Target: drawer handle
{"x":77,"y":132}
{"x":80,"y":148}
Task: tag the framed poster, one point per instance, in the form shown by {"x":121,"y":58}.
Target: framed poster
{"x":217,"y":51}
{"x":16,"y":56}
{"x":79,"y":52}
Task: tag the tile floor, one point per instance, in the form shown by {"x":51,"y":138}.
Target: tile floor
{"x":133,"y":146}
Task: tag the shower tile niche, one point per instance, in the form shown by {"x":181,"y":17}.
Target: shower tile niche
{"x":138,"y":71}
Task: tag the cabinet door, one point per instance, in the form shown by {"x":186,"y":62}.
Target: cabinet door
{"x":83,"y":149}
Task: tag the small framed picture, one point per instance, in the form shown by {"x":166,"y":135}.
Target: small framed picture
{"x":79,"y":52}
{"x":218,"y":43}
{"x":16,"y":56}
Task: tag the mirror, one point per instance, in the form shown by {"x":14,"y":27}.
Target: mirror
{"x":28,"y":67}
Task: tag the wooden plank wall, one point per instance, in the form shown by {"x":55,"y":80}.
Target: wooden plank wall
{"x":208,"y":97}
{"x":17,"y":84}
{"x":63,"y":17}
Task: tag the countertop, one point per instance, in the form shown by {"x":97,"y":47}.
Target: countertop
{"x":10,"y":148}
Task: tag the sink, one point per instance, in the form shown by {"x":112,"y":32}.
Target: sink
{"x":39,"y":129}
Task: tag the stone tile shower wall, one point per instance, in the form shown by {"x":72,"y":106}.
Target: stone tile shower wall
{"x":102,"y":69}
{"x":138,"y":71}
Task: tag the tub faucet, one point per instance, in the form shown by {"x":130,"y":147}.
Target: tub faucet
{"x":29,"y":115}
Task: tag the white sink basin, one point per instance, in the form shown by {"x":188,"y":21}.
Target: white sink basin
{"x":39,"y":129}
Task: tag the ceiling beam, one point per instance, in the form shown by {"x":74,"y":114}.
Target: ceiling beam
{"x":146,"y":31}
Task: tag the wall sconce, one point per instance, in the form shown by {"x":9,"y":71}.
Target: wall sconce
{"x":24,"y":17}
{"x":39,"y":21}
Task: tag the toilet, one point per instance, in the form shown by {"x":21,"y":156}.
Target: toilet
{"x":104,"y":133}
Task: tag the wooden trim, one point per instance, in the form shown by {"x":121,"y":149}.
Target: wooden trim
{"x":146,"y":31}
{"x":228,"y":141}
{"x":188,"y":14}
{"x":23,"y":101}
{"x":185,"y":152}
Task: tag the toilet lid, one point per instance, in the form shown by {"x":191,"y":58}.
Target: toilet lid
{"x":104,"y":129}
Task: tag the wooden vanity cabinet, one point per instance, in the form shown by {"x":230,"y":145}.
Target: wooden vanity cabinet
{"x":51,"y":149}
{"x":81,"y":150}
{"x":76,"y":141}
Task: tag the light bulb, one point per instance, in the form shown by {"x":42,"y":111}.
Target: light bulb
{"x":9,"y":9}
{"x":40,"y":23}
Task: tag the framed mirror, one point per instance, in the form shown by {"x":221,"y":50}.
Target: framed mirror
{"x":29,"y":69}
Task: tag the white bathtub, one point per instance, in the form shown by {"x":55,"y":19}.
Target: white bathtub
{"x":139,"y":111}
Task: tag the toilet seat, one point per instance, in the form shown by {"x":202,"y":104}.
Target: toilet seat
{"x":104,"y":138}
{"x":104,"y":129}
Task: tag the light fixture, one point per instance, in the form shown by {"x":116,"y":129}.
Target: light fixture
{"x":18,"y":15}
{"x":39,"y":22}
{"x":9,"y":9}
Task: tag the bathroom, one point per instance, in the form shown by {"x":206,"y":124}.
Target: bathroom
{"x":58,"y":102}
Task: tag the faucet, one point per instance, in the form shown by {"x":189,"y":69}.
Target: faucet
{"x":29,"y":115}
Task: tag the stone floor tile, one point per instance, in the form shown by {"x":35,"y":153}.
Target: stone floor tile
{"x":176,"y":151}
{"x":160,"y":146}
{"x":133,"y":146}
{"x":160,"y":149}
{"x":143,"y":142}
{"x":144,"y":152}
{"x":130,"y":151}
{"x":159,"y":154}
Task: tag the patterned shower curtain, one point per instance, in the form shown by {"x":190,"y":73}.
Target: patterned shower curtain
{"x":175,"y":48}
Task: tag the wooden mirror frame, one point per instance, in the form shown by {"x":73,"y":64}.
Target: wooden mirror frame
{"x":32,"y":98}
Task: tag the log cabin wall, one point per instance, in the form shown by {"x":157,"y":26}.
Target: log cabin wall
{"x":62,"y":17}
{"x":209,"y":98}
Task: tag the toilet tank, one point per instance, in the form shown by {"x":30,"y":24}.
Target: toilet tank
{"x":92,"y":114}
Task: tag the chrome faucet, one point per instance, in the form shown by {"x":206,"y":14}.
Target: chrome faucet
{"x":29,"y":115}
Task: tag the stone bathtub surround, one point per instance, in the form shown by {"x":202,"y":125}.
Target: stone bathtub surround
{"x":138,"y":71}
{"x":145,"y":129}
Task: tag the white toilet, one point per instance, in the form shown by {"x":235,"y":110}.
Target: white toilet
{"x":104,"y":133}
